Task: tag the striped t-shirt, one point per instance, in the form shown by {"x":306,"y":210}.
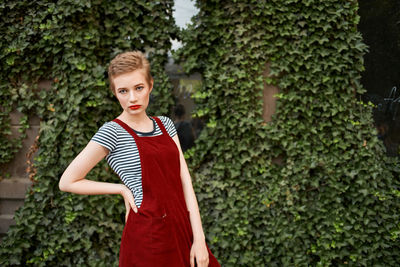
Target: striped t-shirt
{"x":123,"y":156}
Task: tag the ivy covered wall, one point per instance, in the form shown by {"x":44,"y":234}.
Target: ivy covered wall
{"x":331,"y":201}
{"x":70,"y":43}
{"x":334,"y":199}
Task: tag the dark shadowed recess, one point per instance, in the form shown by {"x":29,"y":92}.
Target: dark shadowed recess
{"x":380,"y":27}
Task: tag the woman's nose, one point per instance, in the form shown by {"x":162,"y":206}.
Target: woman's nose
{"x":132,"y":96}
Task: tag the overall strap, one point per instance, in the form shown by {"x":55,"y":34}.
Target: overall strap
{"x":126,"y":127}
{"x":161,"y":125}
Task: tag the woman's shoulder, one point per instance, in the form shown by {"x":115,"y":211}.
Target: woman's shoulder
{"x":109,"y":125}
{"x":168,"y":124}
{"x":164,"y":119}
{"x":106,"y":135}
{"x":110,"y":129}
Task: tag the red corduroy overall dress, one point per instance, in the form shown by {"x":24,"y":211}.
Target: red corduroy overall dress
{"x":160,"y":234}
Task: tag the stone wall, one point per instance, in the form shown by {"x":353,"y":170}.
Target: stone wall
{"x":14,"y":187}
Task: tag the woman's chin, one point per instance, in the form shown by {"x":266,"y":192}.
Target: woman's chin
{"x":135,"y":111}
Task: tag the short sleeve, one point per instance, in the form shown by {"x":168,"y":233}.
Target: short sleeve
{"x":169,"y":125}
{"x":106,"y":136}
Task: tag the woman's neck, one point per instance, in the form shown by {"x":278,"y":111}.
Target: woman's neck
{"x":137,"y":120}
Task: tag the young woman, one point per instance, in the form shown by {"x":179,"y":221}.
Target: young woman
{"x":162,"y":221}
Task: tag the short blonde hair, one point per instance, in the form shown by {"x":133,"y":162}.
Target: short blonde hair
{"x":127,"y":62}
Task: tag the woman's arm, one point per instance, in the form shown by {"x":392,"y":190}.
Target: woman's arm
{"x":73,"y":179}
{"x":199,"y":249}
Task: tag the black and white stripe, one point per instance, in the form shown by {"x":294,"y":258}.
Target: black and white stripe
{"x":123,"y":157}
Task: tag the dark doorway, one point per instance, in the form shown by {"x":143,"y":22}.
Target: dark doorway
{"x":380,"y":28}
{"x":188,"y":127}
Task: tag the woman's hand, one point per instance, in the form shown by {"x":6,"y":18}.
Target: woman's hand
{"x":199,"y":251}
{"x":129,"y":201}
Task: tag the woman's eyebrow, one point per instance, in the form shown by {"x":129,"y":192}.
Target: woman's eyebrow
{"x":136,"y":85}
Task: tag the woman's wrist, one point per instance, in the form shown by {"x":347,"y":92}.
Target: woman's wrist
{"x":121,"y":189}
{"x":199,"y":237}
{"x":124,"y":190}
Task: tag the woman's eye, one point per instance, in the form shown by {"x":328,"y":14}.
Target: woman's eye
{"x":139,"y":88}
{"x":122,"y":91}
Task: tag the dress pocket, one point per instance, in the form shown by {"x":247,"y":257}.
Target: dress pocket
{"x":153,"y":238}
{"x":162,"y":235}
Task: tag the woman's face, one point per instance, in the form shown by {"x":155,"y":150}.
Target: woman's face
{"x":132,"y":91}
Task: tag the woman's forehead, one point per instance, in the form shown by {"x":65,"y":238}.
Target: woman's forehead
{"x":129,"y":79}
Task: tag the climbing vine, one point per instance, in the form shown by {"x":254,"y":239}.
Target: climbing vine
{"x":69,"y":44}
{"x":334,"y":197}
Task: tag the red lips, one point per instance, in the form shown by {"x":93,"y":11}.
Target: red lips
{"x":134,"y":106}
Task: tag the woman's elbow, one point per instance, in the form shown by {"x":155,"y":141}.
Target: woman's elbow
{"x":62,"y":184}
